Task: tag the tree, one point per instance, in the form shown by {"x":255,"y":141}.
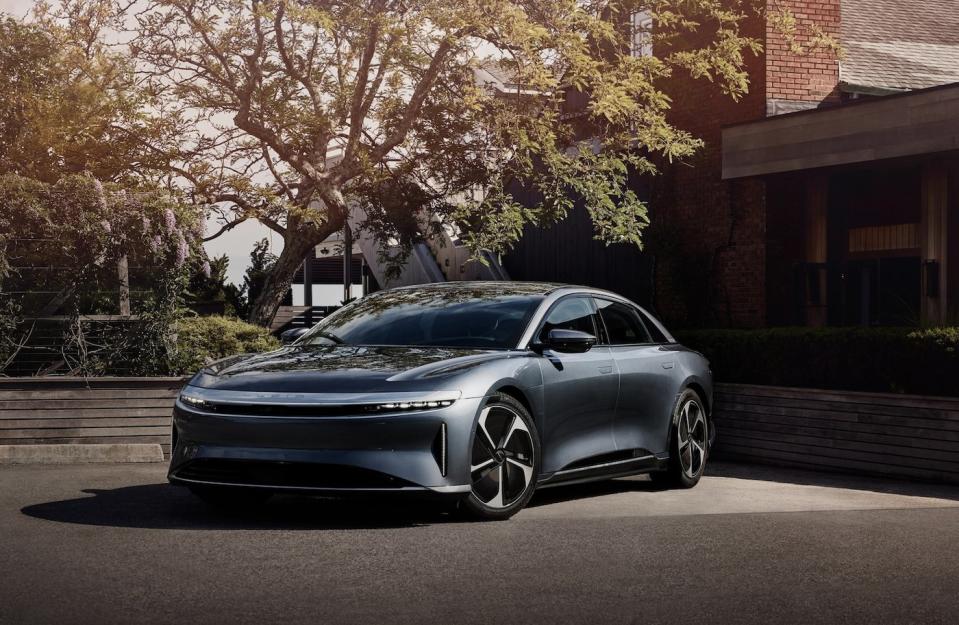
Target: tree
{"x":70,"y":104}
{"x":288,"y":108}
{"x":262,"y":262}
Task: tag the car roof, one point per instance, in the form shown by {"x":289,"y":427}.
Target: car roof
{"x":501,"y":287}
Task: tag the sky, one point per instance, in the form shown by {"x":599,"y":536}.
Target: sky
{"x":236,"y":244}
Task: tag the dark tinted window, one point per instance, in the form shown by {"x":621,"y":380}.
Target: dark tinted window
{"x":440,"y":317}
{"x":573,"y":313}
{"x":654,"y":331}
{"x":623,"y":325}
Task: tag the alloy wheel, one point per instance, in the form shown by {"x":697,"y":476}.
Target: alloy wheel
{"x":501,"y":466}
{"x":692,"y":438}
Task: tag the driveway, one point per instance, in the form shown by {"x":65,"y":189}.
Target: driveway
{"x":115,"y":543}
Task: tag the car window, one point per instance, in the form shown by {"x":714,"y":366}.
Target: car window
{"x":573,"y":313}
{"x":623,"y":324}
{"x":447,"y":317}
{"x":654,"y":331}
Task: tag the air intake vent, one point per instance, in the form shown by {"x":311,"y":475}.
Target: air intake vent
{"x":439,"y":449}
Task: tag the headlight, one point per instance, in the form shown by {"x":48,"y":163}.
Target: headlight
{"x":194,"y":402}
{"x":412,"y":405}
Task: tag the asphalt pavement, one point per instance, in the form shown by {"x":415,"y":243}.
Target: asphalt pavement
{"x":116,"y":544}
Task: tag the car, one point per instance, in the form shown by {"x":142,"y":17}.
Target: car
{"x":478,"y":393}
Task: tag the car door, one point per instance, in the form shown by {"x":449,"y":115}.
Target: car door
{"x":580,"y":390}
{"x":646,"y":392}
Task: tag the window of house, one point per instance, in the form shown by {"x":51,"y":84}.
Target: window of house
{"x":642,"y":34}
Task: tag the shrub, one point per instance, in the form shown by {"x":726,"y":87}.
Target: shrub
{"x":899,"y":360}
{"x":201,"y":340}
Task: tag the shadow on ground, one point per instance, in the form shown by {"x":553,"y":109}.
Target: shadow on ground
{"x":162,"y":506}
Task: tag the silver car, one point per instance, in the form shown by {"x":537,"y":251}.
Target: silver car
{"x":479,"y":392}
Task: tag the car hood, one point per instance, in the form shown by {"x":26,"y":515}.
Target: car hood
{"x":343,"y":369}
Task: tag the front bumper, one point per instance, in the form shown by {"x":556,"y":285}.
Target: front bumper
{"x":424,"y":451}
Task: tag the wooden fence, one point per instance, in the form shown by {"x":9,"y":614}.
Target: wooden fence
{"x":905,"y":436}
{"x":93,"y":410}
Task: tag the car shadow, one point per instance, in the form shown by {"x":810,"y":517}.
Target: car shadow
{"x":162,"y":506}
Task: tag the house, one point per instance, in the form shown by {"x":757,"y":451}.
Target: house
{"x":828,"y":195}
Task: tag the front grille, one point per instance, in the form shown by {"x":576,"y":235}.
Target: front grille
{"x":286,"y":474}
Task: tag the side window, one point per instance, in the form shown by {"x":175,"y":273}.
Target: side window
{"x":623,"y":324}
{"x":654,"y":331}
{"x":573,"y":313}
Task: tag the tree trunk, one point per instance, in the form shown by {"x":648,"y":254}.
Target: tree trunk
{"x":297,"y":244}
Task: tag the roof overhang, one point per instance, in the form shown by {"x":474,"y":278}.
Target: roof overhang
{"x":909,"y":124}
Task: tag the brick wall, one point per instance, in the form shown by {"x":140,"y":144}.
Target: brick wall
{"x":709,"y":235}
{"x":805,"y":80}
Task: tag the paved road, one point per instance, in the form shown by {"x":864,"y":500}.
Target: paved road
{"x":116,"y":544}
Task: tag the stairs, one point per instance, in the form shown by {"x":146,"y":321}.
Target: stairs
{"x":442,"y":259}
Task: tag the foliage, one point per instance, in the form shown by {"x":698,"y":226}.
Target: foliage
{"x":284,"y":110}
{"x":900,"y":360}
{"x":63,"y":245}
{"x":208,"y":285}
{"x":68,"y":104}
{"x":201,"y":340}
{"x":257,"y":273}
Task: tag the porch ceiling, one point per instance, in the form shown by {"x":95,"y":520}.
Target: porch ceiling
{"x":919,"y":122}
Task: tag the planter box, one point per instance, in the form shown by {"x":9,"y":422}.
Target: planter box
{"x":67,"y":410}
{"x":902,"y":436}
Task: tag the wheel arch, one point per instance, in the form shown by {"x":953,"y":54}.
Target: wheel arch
{"x":519,"y":395}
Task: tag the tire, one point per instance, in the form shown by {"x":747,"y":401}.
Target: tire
{"x":687,"y":454}
{"x":234,"y":498}
{"x":504,"y":460}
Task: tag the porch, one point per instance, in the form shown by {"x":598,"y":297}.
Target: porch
{"x":862,"y":209}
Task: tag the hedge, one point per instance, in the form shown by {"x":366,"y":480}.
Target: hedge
{"x":898,"y":360}
{"x":201,"y":340}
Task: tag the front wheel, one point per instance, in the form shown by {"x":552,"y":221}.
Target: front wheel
{"x":688,"y":443}
{"x":504,"y":460}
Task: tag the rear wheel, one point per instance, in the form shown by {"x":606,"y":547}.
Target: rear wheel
{"x":689,"y":443}
{"x":504,"y":460}
{"x":230,"y":497}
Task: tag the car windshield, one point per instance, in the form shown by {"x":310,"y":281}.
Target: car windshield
{"x":438,"y":317}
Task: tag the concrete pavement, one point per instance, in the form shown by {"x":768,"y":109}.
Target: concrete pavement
{"x":114,"y":543}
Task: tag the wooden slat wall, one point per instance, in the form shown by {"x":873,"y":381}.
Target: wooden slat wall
{"x":92,"y":410}
{"x":904,"y":436}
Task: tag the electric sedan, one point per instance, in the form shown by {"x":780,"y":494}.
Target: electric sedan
{"x":479,"y":392}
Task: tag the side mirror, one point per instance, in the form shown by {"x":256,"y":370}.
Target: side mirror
{"x":570,"y":341}
{"x":292,"y":334}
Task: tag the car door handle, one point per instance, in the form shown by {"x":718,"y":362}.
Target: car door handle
{"x":668,"y":365}
{"x":606,"y":369}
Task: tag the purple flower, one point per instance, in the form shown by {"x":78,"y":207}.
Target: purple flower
{"x":106,"y":226}
{"x":101,"y":196}
{"x":155,"y":243}
{"x":182,"y":250}
{"x":205,"y":268}
{"x":169,"y":220}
